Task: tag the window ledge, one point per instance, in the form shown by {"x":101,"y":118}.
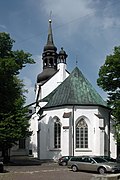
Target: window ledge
{"x":83,"y":150}
{"x":54,"y":149}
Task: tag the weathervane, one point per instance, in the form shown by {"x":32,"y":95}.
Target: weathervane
{"x":76,"y":60}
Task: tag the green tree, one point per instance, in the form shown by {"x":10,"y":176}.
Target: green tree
{"x":109,"y":81}
{"x":14,"y":123}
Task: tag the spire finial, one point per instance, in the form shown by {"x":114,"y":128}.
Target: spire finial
{"x":50,"y":19}
{"x":50,"y":36}
{"x":76,"y":60}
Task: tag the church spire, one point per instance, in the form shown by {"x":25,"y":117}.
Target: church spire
{"x":50,"y":35}
{"x":49,"y":57}
{"x":50,"y":44}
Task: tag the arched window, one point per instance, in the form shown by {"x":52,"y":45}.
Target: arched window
{"x":81,"y":134}
{"x":45,"y":62}
{"x":57,"y":134}
{"x":51,"y":62}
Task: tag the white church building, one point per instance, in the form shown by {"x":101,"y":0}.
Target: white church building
{"x":70,"y":117}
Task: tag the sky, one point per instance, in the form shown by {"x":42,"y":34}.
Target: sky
{"x":88,"y":30}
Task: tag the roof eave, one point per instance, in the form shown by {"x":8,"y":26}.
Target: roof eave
{"x":56,"y":106}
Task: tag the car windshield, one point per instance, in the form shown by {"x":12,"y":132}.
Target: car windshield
{"x":99,"y":160}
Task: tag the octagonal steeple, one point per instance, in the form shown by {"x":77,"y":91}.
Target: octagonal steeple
{"x":49,"y":57}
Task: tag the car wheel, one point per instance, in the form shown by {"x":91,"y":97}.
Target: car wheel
{"x":101,"y":170}
{"x":64,"y":163}
{"x":74,"y":168}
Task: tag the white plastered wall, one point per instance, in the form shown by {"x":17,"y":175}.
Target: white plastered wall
{"x":113,"y":143}
{"x":95,"y":134}
{"x":33,"y":138}
{"x":53,"y":83}
{"x":88,"y":113}
{"x":46,"y":138}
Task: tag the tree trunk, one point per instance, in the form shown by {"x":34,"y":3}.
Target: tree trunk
{"x":6,"y":155}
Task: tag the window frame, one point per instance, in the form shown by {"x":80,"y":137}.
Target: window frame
{"x":81,"y":134}
{"x":57,"y":134}
{"x":22,"y":143}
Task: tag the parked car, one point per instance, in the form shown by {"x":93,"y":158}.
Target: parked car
{"x":63,"y":160}
{"x":1,"y":167}
{"x":108,"y":158}
{"x":92,"y":163}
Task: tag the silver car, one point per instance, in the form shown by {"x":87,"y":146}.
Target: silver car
{"x":92,"y":163}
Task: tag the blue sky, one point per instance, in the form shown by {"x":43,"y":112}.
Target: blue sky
{"x":87,"y":29}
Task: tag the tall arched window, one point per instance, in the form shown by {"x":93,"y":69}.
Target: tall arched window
{"x":81,"y":134}
{"x":57,"y":134}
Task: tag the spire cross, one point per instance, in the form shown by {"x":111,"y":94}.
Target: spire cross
{"x":50,"y":14}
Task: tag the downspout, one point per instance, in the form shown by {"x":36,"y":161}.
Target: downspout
{"x":109,"y":133}
{"x":73,"y":129}
{"x":38,"y":144}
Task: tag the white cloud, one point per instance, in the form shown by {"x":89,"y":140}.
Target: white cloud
{"x":109,"y":22}
{"x":67,"y":10}
{"x":30,"y":78}
{"x":38,"y":64}
{"x":3,"y":26}
{"x":29,"y":86}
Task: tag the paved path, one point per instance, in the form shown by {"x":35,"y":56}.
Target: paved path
{"x":33,"y":169}
{"x":42,"y":172}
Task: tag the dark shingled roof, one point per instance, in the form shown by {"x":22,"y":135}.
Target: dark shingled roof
{"x":74,"y":90}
